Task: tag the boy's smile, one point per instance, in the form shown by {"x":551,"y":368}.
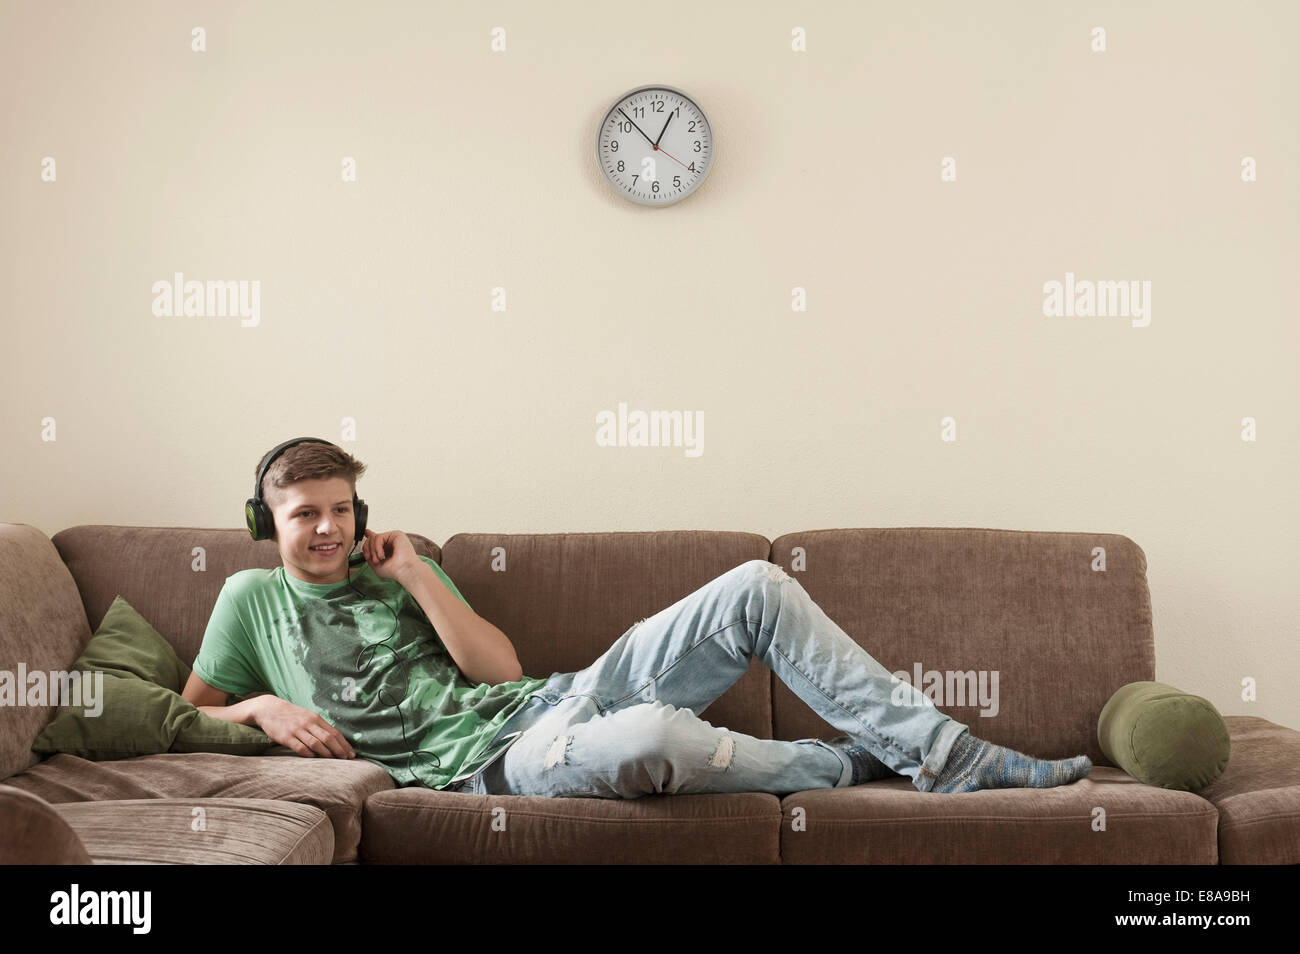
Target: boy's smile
{"x":314,"y":526}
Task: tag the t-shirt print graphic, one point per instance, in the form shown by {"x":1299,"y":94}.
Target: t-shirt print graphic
{"x":387,"y":680}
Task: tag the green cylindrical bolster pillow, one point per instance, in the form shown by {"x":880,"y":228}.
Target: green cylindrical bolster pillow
{"x":1163,"y":736}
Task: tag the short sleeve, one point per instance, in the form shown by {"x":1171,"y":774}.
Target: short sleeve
{"x":445,"y":579}
{"x":226,"y":659}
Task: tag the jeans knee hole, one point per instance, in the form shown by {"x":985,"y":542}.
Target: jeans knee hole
{"x":558,"y":752}
{"x":724,"y":753}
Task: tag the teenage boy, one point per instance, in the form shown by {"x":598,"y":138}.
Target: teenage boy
{"x":435,"y":694}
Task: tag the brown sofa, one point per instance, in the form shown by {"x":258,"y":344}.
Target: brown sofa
{"x":1061,"y":635}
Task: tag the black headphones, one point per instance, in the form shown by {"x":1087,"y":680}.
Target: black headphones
{"x":261,"y":524}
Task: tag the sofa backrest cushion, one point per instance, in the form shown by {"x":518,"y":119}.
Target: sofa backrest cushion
{"x":565,"y":598}
{"x":1061,"y":633}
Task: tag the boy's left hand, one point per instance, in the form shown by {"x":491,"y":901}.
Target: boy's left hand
{"x":389,"y":554}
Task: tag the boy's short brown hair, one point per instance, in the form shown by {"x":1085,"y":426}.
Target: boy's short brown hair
{"x":307,"y":461}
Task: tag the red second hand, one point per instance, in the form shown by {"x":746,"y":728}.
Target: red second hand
{"x":670,"y":156}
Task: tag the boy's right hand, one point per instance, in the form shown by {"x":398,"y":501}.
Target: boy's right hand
{"x":301,"y":729}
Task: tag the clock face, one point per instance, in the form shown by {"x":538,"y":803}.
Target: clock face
{"x":655,"y":145}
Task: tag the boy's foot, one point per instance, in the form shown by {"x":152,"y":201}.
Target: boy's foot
{"x":975,"y":764}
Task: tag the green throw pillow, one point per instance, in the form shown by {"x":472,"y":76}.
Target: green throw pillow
{"x":139,"y":710}
{"x":1163,"y":736}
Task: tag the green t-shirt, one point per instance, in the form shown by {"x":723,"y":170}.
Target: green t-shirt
{"x":271,"y":632}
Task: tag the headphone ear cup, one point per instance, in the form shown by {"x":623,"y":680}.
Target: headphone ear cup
{"x":261,"y":524}
{"x":361,"y":511}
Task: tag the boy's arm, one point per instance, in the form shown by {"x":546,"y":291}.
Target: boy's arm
{"x":481,"y":651}
{"x":283,"y":722}
{"x":212,"y":701}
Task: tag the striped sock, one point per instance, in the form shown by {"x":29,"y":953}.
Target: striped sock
{"x":975,"y":764}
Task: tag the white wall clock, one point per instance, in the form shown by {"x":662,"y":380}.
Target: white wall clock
{"x":655,"y":145}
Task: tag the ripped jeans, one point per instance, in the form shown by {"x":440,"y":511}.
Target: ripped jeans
{"x":627,"y":725}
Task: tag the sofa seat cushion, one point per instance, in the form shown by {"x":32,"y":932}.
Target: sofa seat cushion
{"x":201,"y":831}
{"x":890,"y":822}
{"x":337,"y":787}
{"x":423,"y":826}
{"x":1258,"y":794}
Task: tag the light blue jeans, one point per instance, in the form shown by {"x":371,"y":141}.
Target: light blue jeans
{"x":627,"y":725}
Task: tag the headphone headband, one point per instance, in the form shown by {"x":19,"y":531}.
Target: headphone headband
{"x":276,"y":452}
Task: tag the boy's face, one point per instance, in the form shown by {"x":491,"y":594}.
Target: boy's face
{"x":313,"y":513}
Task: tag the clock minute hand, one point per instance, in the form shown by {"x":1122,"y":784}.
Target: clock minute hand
{"x":638,"y":128}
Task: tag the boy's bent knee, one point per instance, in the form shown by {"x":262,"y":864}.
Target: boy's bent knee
{"x":766,"y":569}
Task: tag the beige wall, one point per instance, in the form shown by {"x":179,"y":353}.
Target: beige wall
{"x":476,"y":170}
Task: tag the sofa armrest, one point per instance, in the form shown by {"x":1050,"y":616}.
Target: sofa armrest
{"x":33,"y":833}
